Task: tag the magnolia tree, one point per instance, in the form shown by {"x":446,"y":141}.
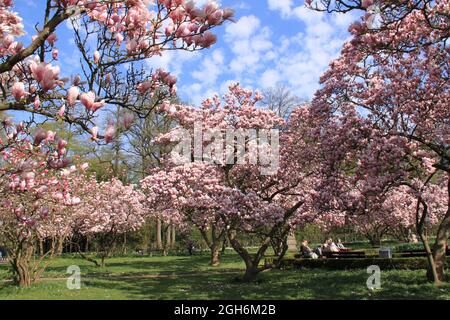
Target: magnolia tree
{"x":232,"y":172}
{"x":394,"y":71}
{"x":36,"y":197}
{"x":187,"y":194}
{"x":394,"y":212}
{"x":108,"y":34}
{"x":106,"y":211}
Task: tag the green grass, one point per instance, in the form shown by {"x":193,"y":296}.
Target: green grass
{"x":182,"y":277}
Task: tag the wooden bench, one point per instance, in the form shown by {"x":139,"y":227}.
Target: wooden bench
{"x":417,"y":253}
{"x":345,"y":254}
{"x":340,"y":255}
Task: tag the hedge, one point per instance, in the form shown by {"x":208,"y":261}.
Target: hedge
{"x":349,"y":263}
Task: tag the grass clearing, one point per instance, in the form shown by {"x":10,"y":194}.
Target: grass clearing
{"x":184,"y":277}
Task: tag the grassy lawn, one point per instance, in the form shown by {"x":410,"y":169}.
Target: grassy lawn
{"x":181,"y":277}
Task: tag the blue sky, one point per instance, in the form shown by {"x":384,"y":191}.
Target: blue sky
{"x":272,"y":41}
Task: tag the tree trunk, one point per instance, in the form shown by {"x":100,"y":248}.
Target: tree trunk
{"x":124,"y":246}
{"x":440,"y":245}
{"x":375,"y":240}
{"x":169,"y":237}
{"x":432,"y":271}
{"x":213,"y":244}
{"x":224,"y":246}
{"x":251,"y":272}
{"x":439,"y":248}
{"x":173,"y":238}
{"x":41,"y":247}
{"x":59,"y":247}
{"x":251,"y":261}
{"x":159,"y":244}
{"x":420,"y":224}
{"x":215,"y":255}
{"x":20,"y":263}
{"x":71,"y":244}
{"x":166,"y":244}
{"x":22,"y":274}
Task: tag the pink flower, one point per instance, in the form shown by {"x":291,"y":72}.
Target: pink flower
{"x":18,"y":91}
{"x":88,"y":100}
{"x":110,"y":134}
{"x":39,"y":136}
{"x":205,"y":41}
{"x":119,"y":38}
{"x":366,"y":3}
{"x":108,"y":79}
{"x":37,"y":102}
{"x":72,"y":95}
{"x":96,"y":57}
{"x":228,"y":13}
{"x":127,"y":120}
{"x":55,"y":54}
{"x":61,"y":111}
{"x":50,"y":135}
{"x":46,"y":74}
{"x":94,"y":132}
{"x":51,"y":39}
{"x":169,"y":29}
{"x":76,"y":80}
{"x":75,"y":201}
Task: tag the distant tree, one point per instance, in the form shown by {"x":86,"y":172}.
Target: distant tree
{"x":280,"y":100}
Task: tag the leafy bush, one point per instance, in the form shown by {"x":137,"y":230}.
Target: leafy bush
{"x":349,"y":263}
{"x":408,"y":246}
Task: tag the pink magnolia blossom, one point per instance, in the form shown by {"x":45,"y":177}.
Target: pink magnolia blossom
{"x":94,"y":132}
{"x":18,"y":91}
{"x":110,"y":133}
{"x":96,"y":57}
{"x":46,"y":74}
{"x":62,"y":110}
{"x":51,"y":39}
{"x":72,"y":95}
{"x":88,"y":100}
{"x":55,"y":53}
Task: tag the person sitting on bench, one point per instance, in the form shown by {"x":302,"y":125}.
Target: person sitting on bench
{"x":306,"y":251}
{"x":331,"y":246}
{"x":340,"y":245}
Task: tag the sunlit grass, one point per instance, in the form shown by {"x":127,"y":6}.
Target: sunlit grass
{"x":183,"y":277}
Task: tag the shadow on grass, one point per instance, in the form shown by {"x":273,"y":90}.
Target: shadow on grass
{"x":192,"y":278}
{"x":142,"y":266}
{"x":275,"y":284}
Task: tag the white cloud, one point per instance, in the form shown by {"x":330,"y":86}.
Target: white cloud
{"x":206,"y":76}
{"x":301,"y":59}
{"x":249,"y":42}
{"x":243,"y":28}
{"x":210,"y":68}
{"x":259,"y":54}
{"x":270,"y":78}
{"x":284,"y":6}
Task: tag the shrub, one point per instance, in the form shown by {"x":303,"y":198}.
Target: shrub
{"x":408,"y":246}
{"x":348,"y":263}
